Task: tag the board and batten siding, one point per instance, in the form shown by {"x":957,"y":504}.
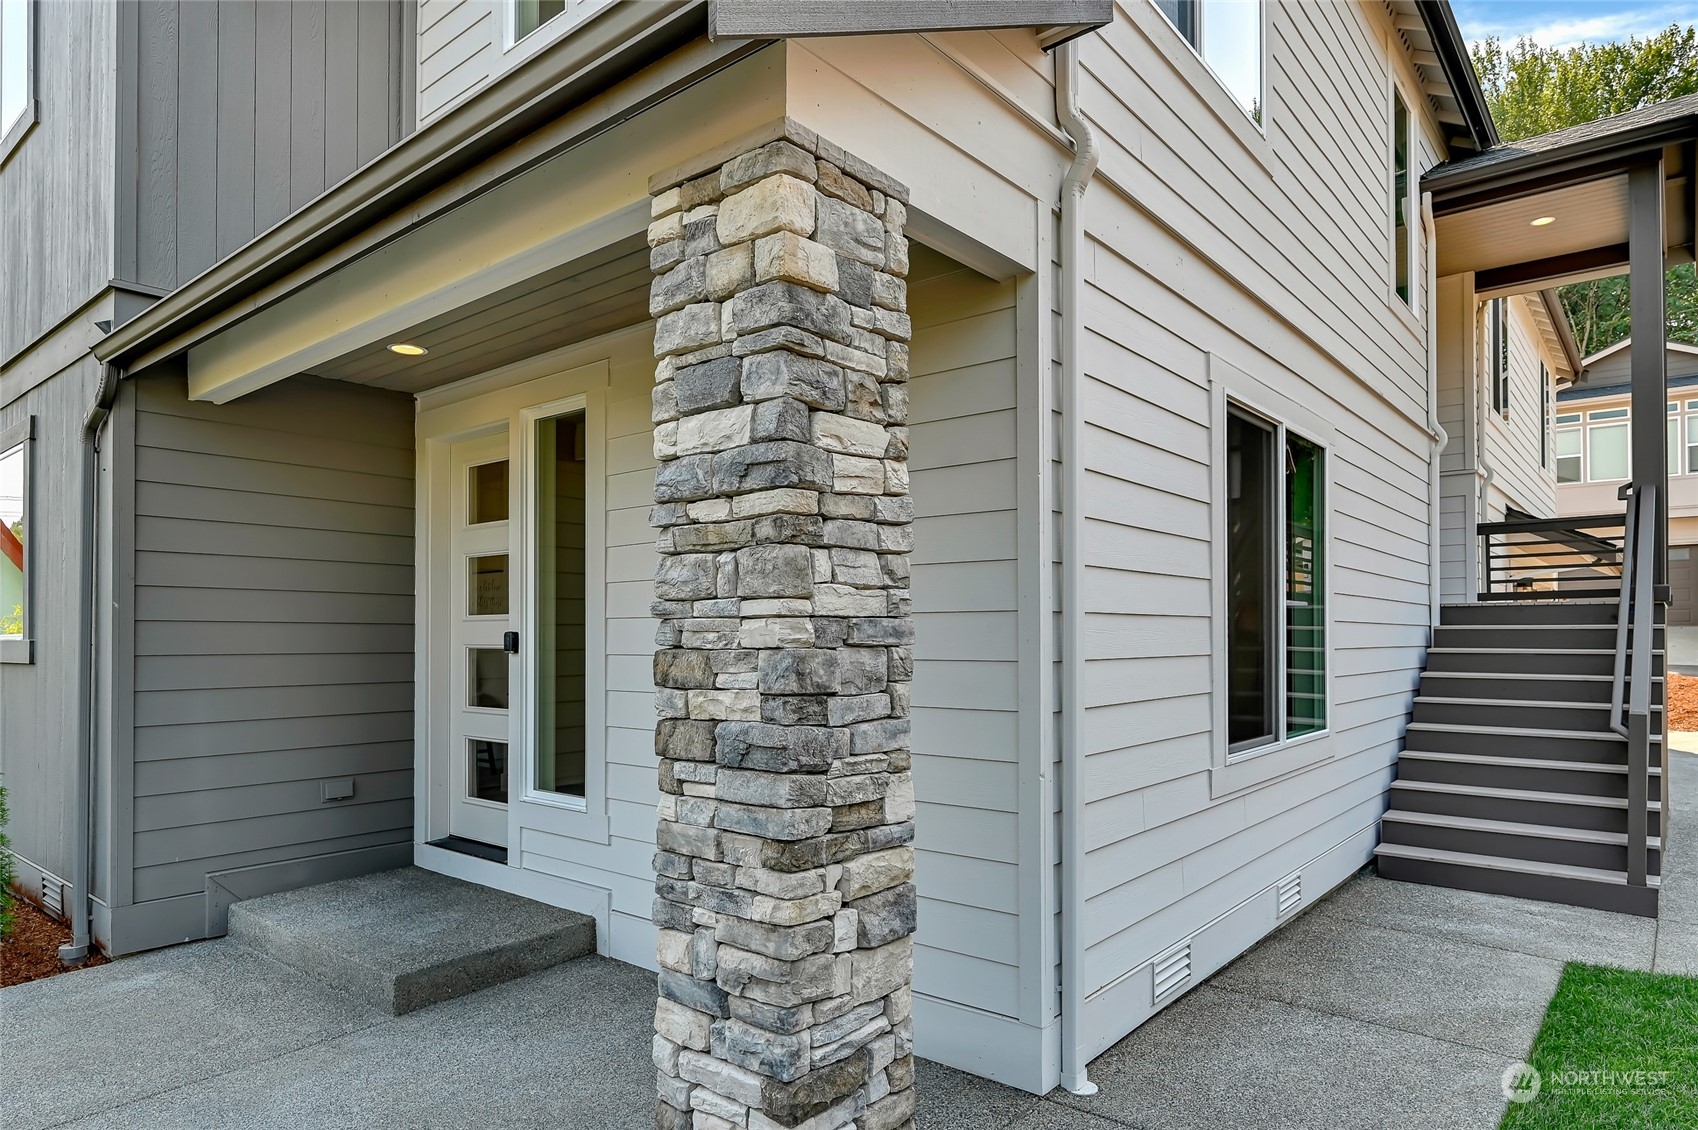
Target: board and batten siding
{"x":273,"y":639}
{"x":246,"y":110}
{"x":56,"y":188}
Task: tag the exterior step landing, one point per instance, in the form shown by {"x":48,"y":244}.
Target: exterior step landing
{"x":404,"y":939}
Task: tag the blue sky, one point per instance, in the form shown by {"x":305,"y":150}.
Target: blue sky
{"x":1563,"y":23}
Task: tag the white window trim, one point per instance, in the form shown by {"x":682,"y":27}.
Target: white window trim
{"x":22,"y":434}
{"x":1208,"y":84}
{"x":1410,"y":311}
{"x":14,"y":136}
{"x":1229,"y":771}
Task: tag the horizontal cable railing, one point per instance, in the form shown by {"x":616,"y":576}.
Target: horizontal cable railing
{"x":1552,"y":558}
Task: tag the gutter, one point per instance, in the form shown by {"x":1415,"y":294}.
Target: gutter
{"x":1071,"y":253}
{"x":88,"y":630}
{"x":615,"y":43}
{"x":1440,"y":438}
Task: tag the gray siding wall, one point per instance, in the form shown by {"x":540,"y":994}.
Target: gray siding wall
{"x":966,"y":692}
{"x":245,"y":111}
{"x":273,"y":581}
{"x":38,"y":754}
{"x":1512,"y":447}
{"x":56,"y":190}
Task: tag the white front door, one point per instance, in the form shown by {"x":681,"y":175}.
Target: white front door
{"x":480,"y":635}
{"x":511,"y":692}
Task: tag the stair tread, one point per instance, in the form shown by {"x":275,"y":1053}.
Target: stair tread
{"x":1525,"y":731}
{"x":1523,"y":762}
{"x":1532,"y":795}
{"x":1506,"y":863}
{"x":1543,"y":676}
{"x":1514,"y":827}
{"x":1559,"y":704}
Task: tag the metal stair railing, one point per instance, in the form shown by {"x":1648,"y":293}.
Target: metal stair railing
{"x":1635,"y":641}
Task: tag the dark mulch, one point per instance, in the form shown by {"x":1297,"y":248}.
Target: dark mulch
{"x":31,"y":951}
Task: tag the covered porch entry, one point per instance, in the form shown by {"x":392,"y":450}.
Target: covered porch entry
{"x":1536,"y":759}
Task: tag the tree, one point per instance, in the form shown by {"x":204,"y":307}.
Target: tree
{"x":1532,"y":90}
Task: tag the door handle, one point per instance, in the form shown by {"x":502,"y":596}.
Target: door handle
{"x":510,"y":643}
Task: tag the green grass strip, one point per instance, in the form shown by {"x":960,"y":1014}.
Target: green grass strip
{"x":1635,"y":1025}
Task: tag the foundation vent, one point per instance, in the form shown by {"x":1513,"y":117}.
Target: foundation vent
{"x":1290,"y":893}
{"x":1172,"y":971}
{"x":53,"y":896}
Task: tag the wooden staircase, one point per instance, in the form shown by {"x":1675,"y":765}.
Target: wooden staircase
{"x":1513,"y":781}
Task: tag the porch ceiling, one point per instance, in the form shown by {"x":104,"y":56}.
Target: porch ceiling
{"x":1484,"y":206}
{"x":605,"y":290}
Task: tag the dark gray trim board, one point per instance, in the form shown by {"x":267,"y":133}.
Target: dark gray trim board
{"x":784,"y":19}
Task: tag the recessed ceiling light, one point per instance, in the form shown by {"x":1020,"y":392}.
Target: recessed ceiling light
{"x":1542,"y":221}
{"x":407,"y":349}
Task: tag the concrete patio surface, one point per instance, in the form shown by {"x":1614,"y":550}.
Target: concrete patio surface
{"x":1384,"y":1005}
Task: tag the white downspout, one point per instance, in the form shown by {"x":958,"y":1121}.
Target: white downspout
{"x":1441,"y":438}
{"x":1071,"y":254}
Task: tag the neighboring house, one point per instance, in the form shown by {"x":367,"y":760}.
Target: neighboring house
{"x":1037,"y":495}
{"x":1593,"y":449}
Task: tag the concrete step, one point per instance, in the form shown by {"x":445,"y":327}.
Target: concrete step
{"x":1528,"y":879}
{"x":1524,"y":687}
{"x":1529,"y":806}
{"x":1554,"y":775}
{"x":404,"y":939}
{"x":1545,"y":843}
{"x":1544,"y":714}
{"x":1531,"y":612}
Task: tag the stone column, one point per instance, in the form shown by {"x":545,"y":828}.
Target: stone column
{"x":784,"y":871}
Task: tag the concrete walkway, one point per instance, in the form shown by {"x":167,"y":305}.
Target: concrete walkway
{"x":1385,"y":1005}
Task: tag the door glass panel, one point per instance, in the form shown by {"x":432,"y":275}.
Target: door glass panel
{"x":486,"y":581}
{"x":1305,"y":577}
{"x":1251,"y":591}
{"x":486,"y":678}
{"x":560,"y":605}
{"x":486,"y":770}
{"x":486,"y":494}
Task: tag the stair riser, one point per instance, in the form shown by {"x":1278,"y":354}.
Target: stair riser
{"x":1546,"y":888}
{"x":1542,"y":639}
{"x":1531,"y":612}
{"x":1544,"y":717}
{"x":1607,"y":751}
{"x":1557,"y":814}
{"x":1471,"y":685}
{"x":1579,"y":782}
{"x":1522,"y":661}
{"x":1543,"y":849}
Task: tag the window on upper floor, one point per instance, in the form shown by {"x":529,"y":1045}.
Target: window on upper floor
{"x":1497,"y":356}
{"x":1228,"y":36}
{"x":16,"y":538}
{"x":528,"y":15}
{"x":1570,"y":461}
{"x":17,"y":58}
{"x":1544,"y":416}
{"x":1402,"y":150}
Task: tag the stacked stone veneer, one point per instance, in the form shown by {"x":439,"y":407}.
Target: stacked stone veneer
{"x":784,"y":875}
